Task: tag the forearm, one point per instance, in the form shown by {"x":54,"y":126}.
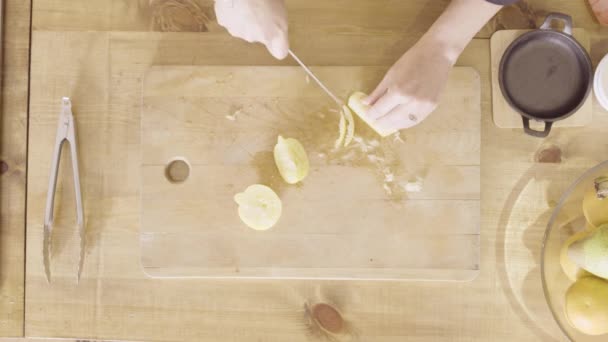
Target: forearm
{"x":459,"y":24}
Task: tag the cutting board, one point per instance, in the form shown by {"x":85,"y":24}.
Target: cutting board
{"x":354,"y":217}
{"x":507,"y":117}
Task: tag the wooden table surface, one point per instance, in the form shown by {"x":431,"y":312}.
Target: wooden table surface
{"x":13,"y":149}
{"x":120,"y":40}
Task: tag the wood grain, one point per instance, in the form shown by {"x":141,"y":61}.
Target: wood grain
{"x":345,"y":204}
{"x":355,"y":18}
{"x":116,"y":301}
{"x":505,"y":116}
{"x":40,"y":339}
{"x":13,"y":147}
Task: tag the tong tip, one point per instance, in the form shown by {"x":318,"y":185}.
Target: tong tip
{"x":82,"y":250}
{"x":46,"y":253}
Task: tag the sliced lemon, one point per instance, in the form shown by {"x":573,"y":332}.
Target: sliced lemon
{"x":291,"y":159}
{"x":350,"y":125}
{"x":341,"y":131}
{"x":259,"y":207}
{"x":355,"y":102}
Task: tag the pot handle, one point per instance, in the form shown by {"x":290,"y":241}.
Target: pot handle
{"x":566,"y":19}
{"x":535,"y":133}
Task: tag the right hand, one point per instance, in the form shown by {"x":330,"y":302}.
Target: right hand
{"x":262,"y":21}
{"x":411,"y":89}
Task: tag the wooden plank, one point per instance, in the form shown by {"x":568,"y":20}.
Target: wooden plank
{"x":34,"y":339}
{"x":115,"y":300}
{"x":345,"y":19}
{"x":13,"y":147}
{"x":356,"y":17}
{"x":119,"y":303}
{"x":529,"y":14}
{"x":520,"y":191}
{"x":345,"y":204}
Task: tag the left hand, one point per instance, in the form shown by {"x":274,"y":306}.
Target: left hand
{"x":411,"y":89}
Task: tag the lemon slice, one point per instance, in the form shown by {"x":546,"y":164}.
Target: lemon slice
{"x":291,"y":160}
{"x":342,"y":131}
{"x":259,"y":207}
{"x":355,"y":102}
{"x":350,"y":125}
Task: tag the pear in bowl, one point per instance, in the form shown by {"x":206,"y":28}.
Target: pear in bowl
{"x":591,"y":252}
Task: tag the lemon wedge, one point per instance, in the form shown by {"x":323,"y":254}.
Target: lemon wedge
{"x":259,"y":207}
{"x":291,"y":159}
{"x":350,"y":125}
{"x":346,"y":128}
{"x":355,"y":102}
{"x":341,"y":131}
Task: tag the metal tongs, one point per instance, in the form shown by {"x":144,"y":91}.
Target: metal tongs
{"x":66,"y":132}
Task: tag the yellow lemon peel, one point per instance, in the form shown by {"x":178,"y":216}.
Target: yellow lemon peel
{"x":259,"y":207}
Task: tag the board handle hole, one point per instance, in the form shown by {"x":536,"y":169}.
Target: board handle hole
{"x":177,"y":170}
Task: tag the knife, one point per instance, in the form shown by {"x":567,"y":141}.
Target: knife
{"x":312,"y":75}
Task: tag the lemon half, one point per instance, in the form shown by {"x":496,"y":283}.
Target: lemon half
{"x":291,"y":160}
{"x":259,"y":207}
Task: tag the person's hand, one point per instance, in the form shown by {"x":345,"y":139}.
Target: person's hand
{"x":411,"y":89}
{"x":263,"y":21}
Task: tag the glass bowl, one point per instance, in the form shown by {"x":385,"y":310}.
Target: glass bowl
{"x":566,"y":220}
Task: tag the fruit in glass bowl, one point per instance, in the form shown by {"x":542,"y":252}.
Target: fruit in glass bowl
{"x":574,"y":263}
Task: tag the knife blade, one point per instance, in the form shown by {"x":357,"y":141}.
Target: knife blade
{"x":316,"y":79}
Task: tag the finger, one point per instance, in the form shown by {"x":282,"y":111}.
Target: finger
{"x":384,"y":105}
{"x":279,"y":46}
{"x":237,"y":33}
{"x":219,"y":13}
{"x":377,"y":93}
{"x":399,"y":118}
{"x":249,"y":38}
{"x":405,"y":116}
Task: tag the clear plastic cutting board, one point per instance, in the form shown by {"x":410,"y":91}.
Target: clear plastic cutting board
{"x":403,"y":207}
